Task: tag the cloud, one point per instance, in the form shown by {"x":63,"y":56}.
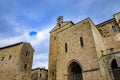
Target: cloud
{"x":39,"y":38}
{"x":9,"y":26}
{"x":42,"y":56}
{"x":40,"y":60}
{"x":40,"y":64}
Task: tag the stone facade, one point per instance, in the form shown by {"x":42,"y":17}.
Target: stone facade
{"x":16,"y":61}
{"x":39,"y":74}
{"x":84,"y":51}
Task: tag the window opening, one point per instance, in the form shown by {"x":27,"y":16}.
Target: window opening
{"x":114,"y":29}
{"x":25,"y":66}
{"x":81,"y":42}
{"x":2,"y":58}
{"x":65,"y":47}
{"x":10,"y":56}
{"x":27,"y":53}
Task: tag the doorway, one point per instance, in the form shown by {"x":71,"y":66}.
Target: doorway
{"x":115,"y":70}
{"x":74,"y":72}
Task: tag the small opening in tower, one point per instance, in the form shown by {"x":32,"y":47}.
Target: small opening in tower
{"x":114,"y":29}
{"x":10,"y":56}
{"x":53,"y":73}
{"x":65,"y":47}
{"x":59,"y":25}
{"x":25,"y":66}
{"x":2,"y":58}
{"x":27,"y":53}
{"x":81,"y":41}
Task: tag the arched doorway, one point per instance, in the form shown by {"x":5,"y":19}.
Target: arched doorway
{"x":74,"y":71}
{"x":115,"y":70}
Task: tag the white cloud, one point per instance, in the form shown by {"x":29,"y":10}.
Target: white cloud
{"x":34,"y":40}
{"x":40,"y":64}
{"x":42,"y":56}
{"x":40,"y":60}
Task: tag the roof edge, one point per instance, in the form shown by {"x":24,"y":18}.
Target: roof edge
{"x":12,"y":45}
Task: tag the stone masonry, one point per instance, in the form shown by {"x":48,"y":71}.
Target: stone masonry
{"x":85,"y":51}
{"x":39,"y":74}
{"x":16,"y":61}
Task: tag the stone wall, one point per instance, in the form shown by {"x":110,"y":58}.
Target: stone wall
{"x":14,"y":63}
{"x":39,"y":74}
{"x":86,"y":45}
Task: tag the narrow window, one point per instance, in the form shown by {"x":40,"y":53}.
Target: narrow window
{"x":27,"y":53}
{"x":59,"y":25}
{"x":53,"y":74}
{"x":81,"y":42}
{"x":101,"y":32}
{"x":65,"y":47}
{"x":25,"y":66}
{"x":10,"y":57}
{"x":40,"y":75}
{"x":114,"y":29}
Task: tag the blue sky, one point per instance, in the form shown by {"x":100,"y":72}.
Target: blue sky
{"x":31,"y":20}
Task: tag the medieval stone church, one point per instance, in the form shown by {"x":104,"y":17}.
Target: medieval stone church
{"x":85,"y":51}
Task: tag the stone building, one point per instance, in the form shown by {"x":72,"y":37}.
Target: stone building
{"x":16,"y":61}
{"x":39,"y":74}
{"x":85,"y":51}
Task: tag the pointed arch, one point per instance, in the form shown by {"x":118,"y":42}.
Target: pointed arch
{"x":115,"y":69}
{"x":74,"y":70}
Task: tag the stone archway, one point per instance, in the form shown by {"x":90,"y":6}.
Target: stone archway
{"x":115,"y":70}
{"x":74,"y":72}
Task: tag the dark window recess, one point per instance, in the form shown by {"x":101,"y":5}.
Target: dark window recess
{"x":53,"y":73}
{"x":65,"y":47}
{"x":25,"y":66}
{"x":81,"y":42}
{"x":40,"y":75}
{"x":114,"y":29}
{"x":27,"y":53}
{"x":101,"y":32}
{"x":10,"y":56}
{"x":2,"y":58}
{"x":59,"y":25}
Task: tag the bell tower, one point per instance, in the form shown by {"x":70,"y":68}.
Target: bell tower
{"x":60,"y":19}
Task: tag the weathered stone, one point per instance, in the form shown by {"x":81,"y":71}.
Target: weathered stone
{"x":16,"y":61}
{"x":84,"y":50}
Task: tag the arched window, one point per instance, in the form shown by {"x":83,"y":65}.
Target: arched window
{"x":114,"y":29}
